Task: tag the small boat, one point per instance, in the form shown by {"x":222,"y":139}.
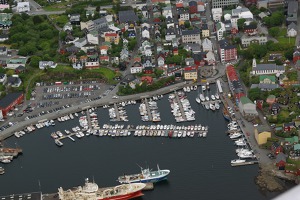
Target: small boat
{"x":212,"y":107}
{"x":203,"y":87}
{"x":202,"y":98}
{"x":217,"y":105}
{"x":207,"y":98}
{"x":217,"y":96}
{"x":198,"y":100}
{"x":213,"y":97}
{"x":237,"y":161}
{"x":207,"y":106}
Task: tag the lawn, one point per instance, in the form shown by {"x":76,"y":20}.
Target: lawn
{"x":108,"y":73}
{"x":283,"y":39}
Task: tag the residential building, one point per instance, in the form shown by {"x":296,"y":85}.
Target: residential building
{"x":191,"y":36}
{"x":5,"y":20}
{"x":205,"y":31}
{"x":276,"y":148}
{"x":47,"y":64}
{"x":170,"y":34}
{"x":262,"y":133}
{"x":242,"y":13}
{"x":280,"y":161}
{"x":250,"y":29}
{"x":200,"y":6}
{"x":227,"y":51}
{"x":235,"y":86}
{"x":207,"y":45}
{"x":136,"y":68}
{"x":161,"y":60}
{"x":275,"y":108}
{"x":296,"y":56}
{"x":289,"y":126}
{"x":275,"y":4}
{"x":146,"y":33}
{"x":10,"y":101}
{"x":100,"y":23}
{"x":75,"y":19}
{"x":189,"y":61}
{"x":220,"y":29}
{"x":193,"y":7}
{"x":193,"y":47}
{"x":4,"y":6}
{"x":15,"y":62}
{"x":23,"y":7}
{"x":112,"y":38}
{"x":147,"y":79}
{"x":3,"y":50}
{"x":103,"y":50}
{"x":223,"y":3}
{"x":246,"y":40}
{"x":210,"y":58}
{"x":292,"y":12}
{"x":266,"y":83}
{"x":183,"y":15}
{"x":127,"y":16}
{"x":80,"y":42}
{"x":217,"y":14}
{"x":92,"y":62}
{"x":292,"y":30}
{"x":247,"y":108}
{"x":68,"y":27}
{"x":14,"y":81}
{"x":249,"y":3}
{"x":90,"y":11}
{"x":269,"y":68}
{"x":92,"y":37}
{"x":167,"y":10}
{"x":190,"y":73}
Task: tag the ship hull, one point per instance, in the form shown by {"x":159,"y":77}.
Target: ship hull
{"x":125,"y":197}
{"x":150,"y":180}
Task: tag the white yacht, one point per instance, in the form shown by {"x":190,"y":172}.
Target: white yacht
{"x":235,"y":135}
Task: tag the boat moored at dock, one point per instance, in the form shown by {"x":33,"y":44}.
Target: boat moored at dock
{"x":145,"y":176}
{"x":92,"y":191}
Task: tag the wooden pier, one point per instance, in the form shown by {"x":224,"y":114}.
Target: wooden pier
{"x":244,"y":163}
{"x":148,"y":110}
{"x":180,"y":106}
{"x":117,"y":112}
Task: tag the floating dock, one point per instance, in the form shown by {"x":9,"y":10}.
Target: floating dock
{"x":117,"y":112}
{"x":148,"y":109}
{"x":244,"y":163}
{"x":180,"y":106}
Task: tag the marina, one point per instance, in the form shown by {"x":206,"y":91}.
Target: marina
{"x":100,"y":154}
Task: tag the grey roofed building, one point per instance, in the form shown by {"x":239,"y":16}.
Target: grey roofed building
{"x":127,"y":16}
{"x":292,"y":26}
{"x":225,"y":45}
{"x":292,"y":12}
{"x":190,"y":32}
{"x":100,"y":23}
{"x":280,"y":156}
{"x":14,"y":81}
{"x":194,"y":47}
{"x":269,"y":66}
{"x":265,"y":86}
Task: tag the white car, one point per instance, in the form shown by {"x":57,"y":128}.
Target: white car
{"x":115,"y":97}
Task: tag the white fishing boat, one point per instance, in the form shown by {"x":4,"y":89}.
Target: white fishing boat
{"x":212,"y":107}
{"x":213,"y":97}
{"x":202,"y":98}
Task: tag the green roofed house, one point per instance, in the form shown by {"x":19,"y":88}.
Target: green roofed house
{"x":15,"y":62}
{"x":297,"y":147}
{"x":292,"y":140}
{"x":271,"y":99}
{"x":267,"y":79}
{"x":5,"y":20}
{"x":247,"y":108}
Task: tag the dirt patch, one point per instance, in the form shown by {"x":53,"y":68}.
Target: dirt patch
{"x":266,"y":179}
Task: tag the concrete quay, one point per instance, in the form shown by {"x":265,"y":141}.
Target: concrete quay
{"x":78,"y":108}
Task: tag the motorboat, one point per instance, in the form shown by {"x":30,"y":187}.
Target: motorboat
{"x":217,"y":96}
{"x":235,"y":135}
{"x":217,"y":105}
{"x":213,"y":97}
{"x":212,"y":107}
{"x":207,"y":98}
{"x":202,"y":98}
{"x":237,"y":161}
{"x":198,"y":100}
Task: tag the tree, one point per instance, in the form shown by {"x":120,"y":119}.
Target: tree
{"x":274,"y":31}
{"x":240,"y":23}
{"x":289,"y":53}
{"x":34,"y":61}
{"x":131,"y":44}
{"x":187,"y":24}
{"x":276,"y":19}
{"x":158,"y":72}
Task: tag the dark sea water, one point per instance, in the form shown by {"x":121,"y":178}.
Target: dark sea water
{"x":200,"y":167}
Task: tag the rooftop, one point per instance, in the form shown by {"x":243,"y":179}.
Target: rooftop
{"x":8,"y":99}
{"x":127,"y":16}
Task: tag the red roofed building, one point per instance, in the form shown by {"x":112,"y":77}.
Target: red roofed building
{"x":191,"y":73}
{"x":179,"y":5}
{"x":10,"y":101}
{"x":104,"y":58}
{"x":157,"y":1}
{"x":112,"y":38}
{"x":234,"y":83}
{"x":296,"y":56}
{"x":147,"y":79}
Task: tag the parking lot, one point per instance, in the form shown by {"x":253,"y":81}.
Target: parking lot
{"x":51,"y":97}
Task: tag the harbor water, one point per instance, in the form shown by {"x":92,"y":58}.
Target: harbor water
{"x":200,"y":167}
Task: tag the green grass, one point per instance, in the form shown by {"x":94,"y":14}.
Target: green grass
{"x":286,"y":40}
{"x":108,"y":73}
{"x":284,"y":113}
{"x":52,"y":8}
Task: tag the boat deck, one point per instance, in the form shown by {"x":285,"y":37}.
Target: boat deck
{"x":25,"y":196}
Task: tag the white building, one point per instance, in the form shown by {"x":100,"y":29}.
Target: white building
{"x":92,"y":37}
{"x":136,"y":69}
{"x":246,"y":41}
{"x":292,"y":30}
{"x":242,"y":13}
{"x":247,"y":107}
{"x":207,"y":45}
{"x":23,"y":7}
{"x":269,"y":68}
{"x":220,"y":30}
{"x":47,"y":64}
{"x":145,"y":34}
{"x":217,"y":14}
{"x":80,"y":43}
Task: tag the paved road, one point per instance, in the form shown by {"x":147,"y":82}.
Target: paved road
{"x":41,"y":12}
